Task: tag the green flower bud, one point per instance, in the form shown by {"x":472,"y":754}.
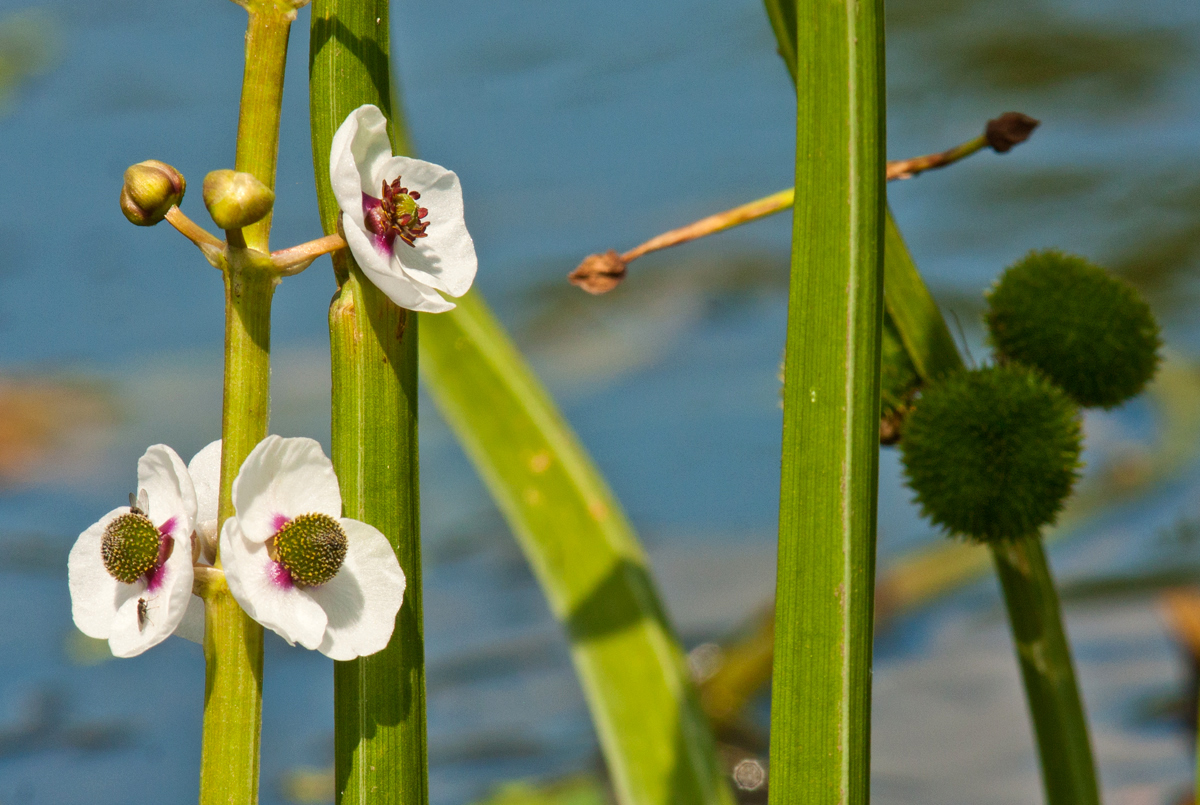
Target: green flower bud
{"x":151,"y":188}
{"x":236,"y":199}
{"x":130,"y":547}
{"x":992,"y":453}
{"x":1088,"y":331}
{"x":311,"y":547}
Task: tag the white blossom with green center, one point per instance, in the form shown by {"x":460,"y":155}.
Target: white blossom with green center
{"x":130,"y":573}
{"x":402,"y":217}
{"x":296,"y":565}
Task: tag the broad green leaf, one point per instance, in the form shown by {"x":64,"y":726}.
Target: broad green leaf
{"x":821,"y":689}
{"x":591,"y":567}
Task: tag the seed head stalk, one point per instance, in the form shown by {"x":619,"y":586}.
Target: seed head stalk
{"x":232,"y":641}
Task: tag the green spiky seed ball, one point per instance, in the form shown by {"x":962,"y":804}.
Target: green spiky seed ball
{"x":1088,"y":331}
{"x":992,"y":453}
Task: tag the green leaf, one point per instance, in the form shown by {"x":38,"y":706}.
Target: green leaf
{"x":379,"y":701}
{"x":821,"y":690}
{"x":1042,"y":648}
{"x":918,"y":321}
{"x":585,"y":555}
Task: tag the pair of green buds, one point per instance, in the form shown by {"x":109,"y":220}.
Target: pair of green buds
{"x":993,"y":453}
{"x":234,"y":199}
{"x":153,"y":190}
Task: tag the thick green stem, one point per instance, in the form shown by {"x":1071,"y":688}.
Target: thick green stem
{"x":1068,"y":773}
{"x":379,"y":701}
{"x":821,"y":693}
{"x":233,"y":642}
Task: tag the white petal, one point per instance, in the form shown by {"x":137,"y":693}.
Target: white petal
{"x":283,"y":478}
{"x":165,"y":606}
{"x":205,"y":470}
{"x":362,"y":600}
{"x":164,"y":477}
{"x":445,"y":258}
{"x":284,"y":610}
{"x":95,"y":595}
{"x":192,"y":625}
{"x":359,"y":145}
{"x":389,"y":277}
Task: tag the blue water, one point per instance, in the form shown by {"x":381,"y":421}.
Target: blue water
{"x":575,"y":128}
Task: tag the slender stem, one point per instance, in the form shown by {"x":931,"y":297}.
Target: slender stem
{"x":233,"y":642}
{"x":262,"y":100}
{"x":821,"y":686}
{"x":379,"y":701}
{"x":297,"y":258}
{"x":776,"y":202}
{"x":1068,"y":772}
{"x":784,"y":199}
{"x":192,"y":230}
{"x":908,"y":168}
{"x":612,"y":265}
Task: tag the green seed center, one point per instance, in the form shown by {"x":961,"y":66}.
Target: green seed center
{"x":312,"y":547}
{"x":130,"y":547}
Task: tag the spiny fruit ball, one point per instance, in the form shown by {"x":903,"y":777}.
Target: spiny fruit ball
{"x":1088,"y":331}
{"x":992,"y":453}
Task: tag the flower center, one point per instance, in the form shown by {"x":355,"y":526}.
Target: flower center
{"x":395,"y":215}
{"x":130,"y":547}
{"x":311,"y":548}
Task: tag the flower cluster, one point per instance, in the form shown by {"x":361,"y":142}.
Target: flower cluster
{"x":291,"y":561}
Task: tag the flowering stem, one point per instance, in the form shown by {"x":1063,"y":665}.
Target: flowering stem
{"x":233,"y":642}
{"x":379,"y":700}
{"x":1068,"y":772}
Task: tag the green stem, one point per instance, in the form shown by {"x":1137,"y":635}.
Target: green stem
{"x":233,"y":642}
{"x":262,"y":99}
{"x":821,"y":691}
{"x":379,"y":701}
{"x":1068,"y":773}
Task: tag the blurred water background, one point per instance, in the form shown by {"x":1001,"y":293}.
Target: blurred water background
{"x":578,"y":127}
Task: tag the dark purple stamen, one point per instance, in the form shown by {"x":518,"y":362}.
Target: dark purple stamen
{"x":394,"y":215}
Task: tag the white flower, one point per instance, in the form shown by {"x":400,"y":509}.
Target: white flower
{"x":205,"y":472}
{"x":403,"y":218}
{"x":297,"y":566}
{"x":130,"y":574}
